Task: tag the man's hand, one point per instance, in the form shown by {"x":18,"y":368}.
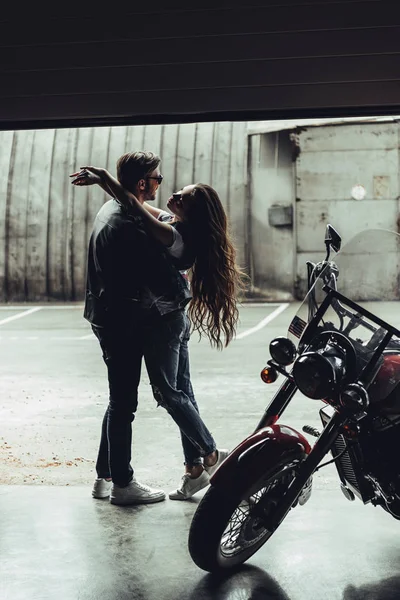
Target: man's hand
{"x":88,"y":176}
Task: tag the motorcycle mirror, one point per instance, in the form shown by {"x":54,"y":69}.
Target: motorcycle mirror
{"x":332,"y":238}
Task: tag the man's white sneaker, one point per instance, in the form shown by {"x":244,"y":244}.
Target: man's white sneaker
{"x":101,"y":488}
{"x":135,"y":493}
{"x":221,"y":456}
{"x":190,"y":486}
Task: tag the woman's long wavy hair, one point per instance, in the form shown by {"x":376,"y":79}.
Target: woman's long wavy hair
{"x":215,"y":278}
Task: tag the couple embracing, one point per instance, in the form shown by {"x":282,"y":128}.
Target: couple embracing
{"x":152,"y":276}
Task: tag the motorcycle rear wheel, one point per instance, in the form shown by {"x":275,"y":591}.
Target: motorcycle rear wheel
{"x":226,"y":529}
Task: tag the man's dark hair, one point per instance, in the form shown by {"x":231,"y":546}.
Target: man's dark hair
{"x":134,"y":166}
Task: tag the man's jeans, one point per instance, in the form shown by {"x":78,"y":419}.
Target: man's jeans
{"x":164,"y":343}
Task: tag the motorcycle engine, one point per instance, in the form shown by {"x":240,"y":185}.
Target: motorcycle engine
{"x":381,"y":449}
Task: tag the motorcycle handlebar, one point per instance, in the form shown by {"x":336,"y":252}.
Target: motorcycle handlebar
{"x":330,"y":273}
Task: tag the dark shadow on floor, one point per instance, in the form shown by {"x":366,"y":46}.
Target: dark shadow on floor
{"x":387,"y":589}
{"x":246,"y":583}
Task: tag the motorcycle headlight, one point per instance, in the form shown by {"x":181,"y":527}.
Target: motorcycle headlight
{"x":319,"y":374}
{"x":282,"y":351}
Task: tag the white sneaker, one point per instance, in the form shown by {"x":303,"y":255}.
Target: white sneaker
{"x":190,"y":486}
{"x":221,"y":456}
{"x":135,"y":493}
{"x":101,"y":488}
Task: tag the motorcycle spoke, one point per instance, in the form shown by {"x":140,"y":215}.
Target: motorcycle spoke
{"x":239,"y":517}
{"x":245,"y":526}
{"x":235,"y":525}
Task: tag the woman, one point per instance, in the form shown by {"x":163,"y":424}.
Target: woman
{"x":196,"y":236}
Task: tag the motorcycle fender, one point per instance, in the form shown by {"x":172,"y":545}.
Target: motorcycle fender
{"x":259,"y":453}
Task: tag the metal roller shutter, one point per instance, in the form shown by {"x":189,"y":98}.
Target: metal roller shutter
{"x":219,"y":60}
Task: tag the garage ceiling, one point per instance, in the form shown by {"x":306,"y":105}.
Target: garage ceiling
{"x":214,"y":61}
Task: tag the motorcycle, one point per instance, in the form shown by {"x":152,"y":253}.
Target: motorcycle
{"x":341,"y":353}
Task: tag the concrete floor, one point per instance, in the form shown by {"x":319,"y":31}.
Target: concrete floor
{"x":57,"y":542}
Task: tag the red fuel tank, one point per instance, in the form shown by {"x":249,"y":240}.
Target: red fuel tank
{"x":385,"y":389}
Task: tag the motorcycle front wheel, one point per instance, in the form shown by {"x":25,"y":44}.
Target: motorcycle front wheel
{"x":228,"y":527}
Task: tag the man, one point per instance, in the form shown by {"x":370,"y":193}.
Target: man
{"x":134,"y":301}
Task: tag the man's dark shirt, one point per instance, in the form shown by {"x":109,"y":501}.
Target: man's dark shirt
{"x":124,"y":264}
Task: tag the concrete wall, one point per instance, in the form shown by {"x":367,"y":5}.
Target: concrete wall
{"x":313,"y":170}
{"x":271,"y":201}
{"x":45,"y":222}
{"x":332,"y":160}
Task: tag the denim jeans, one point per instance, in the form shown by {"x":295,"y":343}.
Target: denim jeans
{"x":163,"y":341}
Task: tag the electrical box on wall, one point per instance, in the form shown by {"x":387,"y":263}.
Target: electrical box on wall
{"x":280,"y":216}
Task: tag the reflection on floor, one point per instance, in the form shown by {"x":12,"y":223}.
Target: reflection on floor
{"x":57,"y":542}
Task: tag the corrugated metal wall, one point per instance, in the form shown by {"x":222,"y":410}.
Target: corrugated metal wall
{"x":45,"y":222}
{"x":65,"y":64}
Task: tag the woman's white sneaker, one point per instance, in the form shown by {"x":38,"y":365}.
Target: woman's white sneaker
{"x":101,"y":488}
{"x":190,"y":486}
{"x":221,"y":456}
{"x":135,"y":493}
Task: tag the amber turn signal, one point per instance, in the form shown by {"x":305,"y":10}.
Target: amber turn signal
{"x":269,"y":375}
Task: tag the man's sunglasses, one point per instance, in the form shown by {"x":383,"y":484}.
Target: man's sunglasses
{"x":158,"y":179}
